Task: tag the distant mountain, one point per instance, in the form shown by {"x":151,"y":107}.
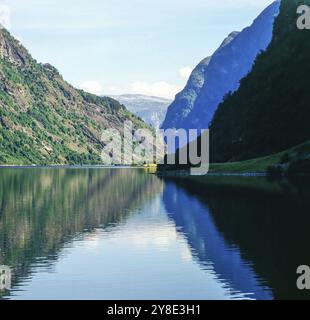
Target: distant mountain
{"x":43,"y":119}
{"x":270,"y":112}
{"x":215,"y":77}
{"x":151,"y":109}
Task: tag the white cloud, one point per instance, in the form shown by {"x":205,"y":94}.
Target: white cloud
{"x":159,"y":89}
{"x":18,"y":38}
{"x":5,"y":16}
{"x":92,"y":86}
{"x":185,"y":72}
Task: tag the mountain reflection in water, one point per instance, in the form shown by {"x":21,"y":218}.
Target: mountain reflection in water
{"x":124,"y":234}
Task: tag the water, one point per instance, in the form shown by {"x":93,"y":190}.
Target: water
{"x":124,"y":234}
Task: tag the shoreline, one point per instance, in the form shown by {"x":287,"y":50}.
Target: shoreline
{"x":67,"y":167}
{"x":183,"y":173}
{"x":172,"y":173}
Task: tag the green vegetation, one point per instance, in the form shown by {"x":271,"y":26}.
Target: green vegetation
{"x":293,"y":161}
{"x":43,"y":119}
{"x":283,"y":161}
{"x":271,"y":111}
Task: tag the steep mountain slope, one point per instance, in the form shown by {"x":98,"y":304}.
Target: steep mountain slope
{"x":270,"y":112}
{"x":43,"y":119}
{"x":151,"y":109}
{"x":184,"y":101}
{"x":221,"y":74}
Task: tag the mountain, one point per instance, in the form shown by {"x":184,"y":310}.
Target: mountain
{"x":184,"y":101}
{"x":270,"y":112}
{"x":43,"y":119}
{"x":151,"y":109}
{"x":215,"y":77}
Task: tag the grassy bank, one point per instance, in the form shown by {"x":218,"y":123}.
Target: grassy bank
{"x":279,"y":161}
{"x":259,"y":165}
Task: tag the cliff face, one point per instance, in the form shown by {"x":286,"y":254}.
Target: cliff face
{"x":270,"y":112}
{"x":184,"y":101}
{"x":217,"y":76}
{"x":43,"y":119}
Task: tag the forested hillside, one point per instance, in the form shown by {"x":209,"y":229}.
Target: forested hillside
{"x":270,"y":112}
{"x":43,"y":119}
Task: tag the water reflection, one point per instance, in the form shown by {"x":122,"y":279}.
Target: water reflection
{"x":44,"y":209}
{"x":194,"y":220}
{"x":125,"y":234}
{"x":266,"y":222}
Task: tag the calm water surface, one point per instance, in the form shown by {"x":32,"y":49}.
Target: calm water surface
{"x":125,"y":234}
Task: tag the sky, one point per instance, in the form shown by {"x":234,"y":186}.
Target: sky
{"x":127,"y":46}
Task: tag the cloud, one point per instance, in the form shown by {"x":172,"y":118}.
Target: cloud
{"x":185,"y":72}
{"x":159,"y":89}
{"x":5,"y":16}
{"x":92,"y":86}
{"x":18,"y":38}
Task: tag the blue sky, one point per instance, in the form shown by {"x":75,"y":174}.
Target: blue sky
{"x":127,"y":46}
